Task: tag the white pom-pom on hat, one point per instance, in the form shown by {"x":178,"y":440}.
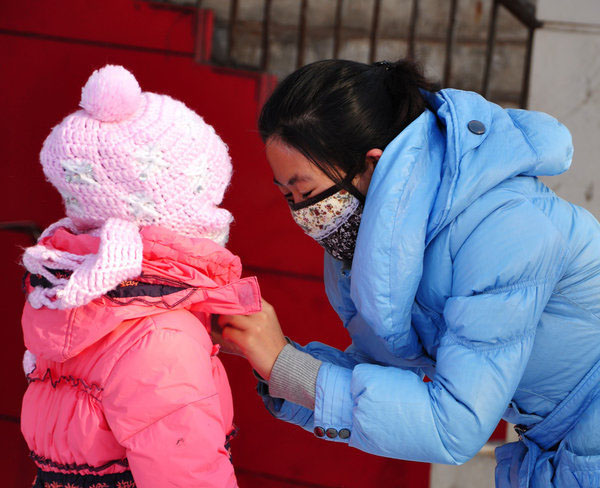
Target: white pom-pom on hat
{"x":111,"y":94}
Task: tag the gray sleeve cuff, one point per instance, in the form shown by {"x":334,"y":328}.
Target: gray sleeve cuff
{"x":294,"y":377}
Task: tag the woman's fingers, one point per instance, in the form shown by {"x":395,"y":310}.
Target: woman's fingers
{"x":235,"y":321}
{"x":225,"y":328}
{"x":258,"y":336}
{"x":233,"y":335}
{"x":219,"y":337}
{"x":245,"y":321}
{"x":266,"y":316}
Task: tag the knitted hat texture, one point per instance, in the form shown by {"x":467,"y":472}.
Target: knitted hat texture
{"x":140,"y":157}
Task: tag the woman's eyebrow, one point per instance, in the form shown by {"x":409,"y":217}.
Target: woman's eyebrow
{"x":293,"y":180}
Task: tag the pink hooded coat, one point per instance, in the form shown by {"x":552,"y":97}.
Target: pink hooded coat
{"x":131,"y":380}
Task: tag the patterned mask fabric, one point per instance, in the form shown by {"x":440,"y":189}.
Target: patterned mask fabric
{"x":332,"y":218}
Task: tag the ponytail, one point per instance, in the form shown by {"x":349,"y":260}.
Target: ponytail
{"x":404,"y":80}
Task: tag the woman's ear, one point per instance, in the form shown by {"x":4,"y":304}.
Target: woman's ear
{"x":363,"y":180}
{"x":372,"y":157}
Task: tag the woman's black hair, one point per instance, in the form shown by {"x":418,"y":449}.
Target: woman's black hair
{"x":334,"y":111}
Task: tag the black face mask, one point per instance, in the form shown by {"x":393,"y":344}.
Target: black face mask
{"x":332,"y":218}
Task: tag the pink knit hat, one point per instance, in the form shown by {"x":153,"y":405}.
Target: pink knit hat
{"x":140,"y":157}
{"x":128,"y":159}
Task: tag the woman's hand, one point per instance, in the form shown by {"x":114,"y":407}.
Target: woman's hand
{"x":216,"y":334}
{"x":257,"y":337}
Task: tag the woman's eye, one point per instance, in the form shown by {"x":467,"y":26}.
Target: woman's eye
{"x":290,"y":198}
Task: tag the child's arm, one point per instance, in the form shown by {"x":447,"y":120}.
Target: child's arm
{"x":163,"y":407}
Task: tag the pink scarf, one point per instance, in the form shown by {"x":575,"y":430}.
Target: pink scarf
{"x":119,"y":258}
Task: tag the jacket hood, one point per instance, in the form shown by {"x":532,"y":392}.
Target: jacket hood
{"x":432,"y":171}
{"x":514,"y":142}
{"x":177,"y":272}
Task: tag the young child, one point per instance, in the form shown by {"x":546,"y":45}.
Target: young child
{"x":126,"y":389}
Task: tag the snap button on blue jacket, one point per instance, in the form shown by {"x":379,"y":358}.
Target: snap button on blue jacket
{"x":470,"y":270}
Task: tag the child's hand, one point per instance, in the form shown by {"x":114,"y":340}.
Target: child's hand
{"x":258,"y":337}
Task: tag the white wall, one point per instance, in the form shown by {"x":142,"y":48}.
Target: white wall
{"x":565,"y":82}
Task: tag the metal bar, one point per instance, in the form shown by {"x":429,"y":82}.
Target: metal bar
{"x":412,"y":29}
{"x":489,"y":52}
{"x":450,"y":41}
{"x":337,"y":29}
{"x":233,"y":11}
{"x":527,"y":70}
{"x":266,"y":42}
{"x":374,"y":28}
{"x":302,"y":34}
{"x":265,"y":85}
{"x":86,"y":42}
{"x":28,"y":228}
{"x":13,"y":419}
{"x":167,"y":5}
{"x":524,"y":10}
{"x":203,"y":35}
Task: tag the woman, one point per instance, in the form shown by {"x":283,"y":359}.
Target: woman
{"x":445,"y":257}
